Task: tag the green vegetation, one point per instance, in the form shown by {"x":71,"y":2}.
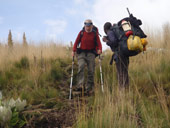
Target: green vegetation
{"x":40,"y":75}
{"x":145,"y":104}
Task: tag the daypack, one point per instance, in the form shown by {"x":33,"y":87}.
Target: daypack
{"x":131,"y":45}
{"x":95,"y":31}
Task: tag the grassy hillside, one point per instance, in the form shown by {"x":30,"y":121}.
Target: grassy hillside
{"x":41,"y":76}
{"x":145,"y":104}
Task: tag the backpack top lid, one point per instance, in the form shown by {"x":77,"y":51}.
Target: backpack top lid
{"x":135,"y":23}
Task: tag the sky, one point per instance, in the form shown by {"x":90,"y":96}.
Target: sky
{"x":61,"y":20}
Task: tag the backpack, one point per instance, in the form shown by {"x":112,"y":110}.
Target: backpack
{"x":126,"y":42}
{"x":95,"y":31}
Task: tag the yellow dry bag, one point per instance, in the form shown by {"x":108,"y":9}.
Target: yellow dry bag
{"x":134,"y":43}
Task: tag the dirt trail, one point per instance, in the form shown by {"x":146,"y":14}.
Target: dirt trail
{"x":59,"y":115}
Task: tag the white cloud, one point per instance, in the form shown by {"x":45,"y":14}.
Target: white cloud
{"x":83,"y":6}
{"x":1,"y":20}
{"x":54,"y":28}
{"x":153,"y":13}
{"x":80,"y":1}
{"x":71,"y":11}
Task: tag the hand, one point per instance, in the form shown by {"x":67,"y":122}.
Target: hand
{"x":99,"y":52}
{"x":104,"y":39}
{"x":73,"y":53}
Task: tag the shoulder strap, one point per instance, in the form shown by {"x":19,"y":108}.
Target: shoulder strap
{"x":81,"y":35}
{"x":95,"y":35}
{"x":118,"y":31}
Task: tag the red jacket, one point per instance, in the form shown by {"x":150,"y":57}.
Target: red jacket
{"x":87,"y":41}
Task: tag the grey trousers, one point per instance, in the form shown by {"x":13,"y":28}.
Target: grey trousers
{"x":89,"y":59}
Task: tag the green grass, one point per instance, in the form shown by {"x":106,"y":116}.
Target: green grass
{"x":146,"y":104}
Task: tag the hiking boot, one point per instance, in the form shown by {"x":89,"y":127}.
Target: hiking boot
{"x":79,"y":91}
{"x":78,"y":88}
{"x":89,"y":91}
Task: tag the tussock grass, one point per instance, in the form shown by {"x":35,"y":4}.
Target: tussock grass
{"x":40,"y":73}
{"x":147,"y":101}
{"x":34,"y":72}
{"x":32,"y":52}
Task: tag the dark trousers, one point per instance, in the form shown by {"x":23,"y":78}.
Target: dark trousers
{"x":122,"y":64}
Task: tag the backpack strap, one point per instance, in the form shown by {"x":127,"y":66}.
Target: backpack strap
{"x":119,"y":33}
{"x":81,"y":35}
{"x":95,"y":37}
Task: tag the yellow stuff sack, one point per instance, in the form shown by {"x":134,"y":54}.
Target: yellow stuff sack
{"x":134,"y":43}
{"x":144,"y":41}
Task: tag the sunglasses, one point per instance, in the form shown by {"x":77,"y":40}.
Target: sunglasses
{"x":88,"y":24}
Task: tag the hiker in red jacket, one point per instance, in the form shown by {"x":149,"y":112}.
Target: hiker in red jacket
{"x":87,"y":46}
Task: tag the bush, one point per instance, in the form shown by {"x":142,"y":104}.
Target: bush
{"x":56,"y":72}
{"x":23,"y":63}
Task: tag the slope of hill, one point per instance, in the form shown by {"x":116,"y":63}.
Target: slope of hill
{"x":41,"y":76}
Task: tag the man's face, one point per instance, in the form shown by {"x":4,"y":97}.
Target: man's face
{"x":88,"y":28}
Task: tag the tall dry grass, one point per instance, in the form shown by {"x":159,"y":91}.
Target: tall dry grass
{"x":145,"y":104}
{"x":147,"y":101}
{"x":46,"y":50}
{"x":33,"y":72}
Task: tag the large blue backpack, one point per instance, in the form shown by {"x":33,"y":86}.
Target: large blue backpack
{"x":122,"y":38}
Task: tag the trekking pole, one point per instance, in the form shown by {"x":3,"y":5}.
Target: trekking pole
{"x":128,"y":11}
{"x":101,"y":73}
{"x":71,"y":78}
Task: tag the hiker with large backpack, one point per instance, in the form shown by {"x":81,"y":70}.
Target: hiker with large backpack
{"x":121,"y":60}
{"x":126,"y":39}
{"x":87,"y":46}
